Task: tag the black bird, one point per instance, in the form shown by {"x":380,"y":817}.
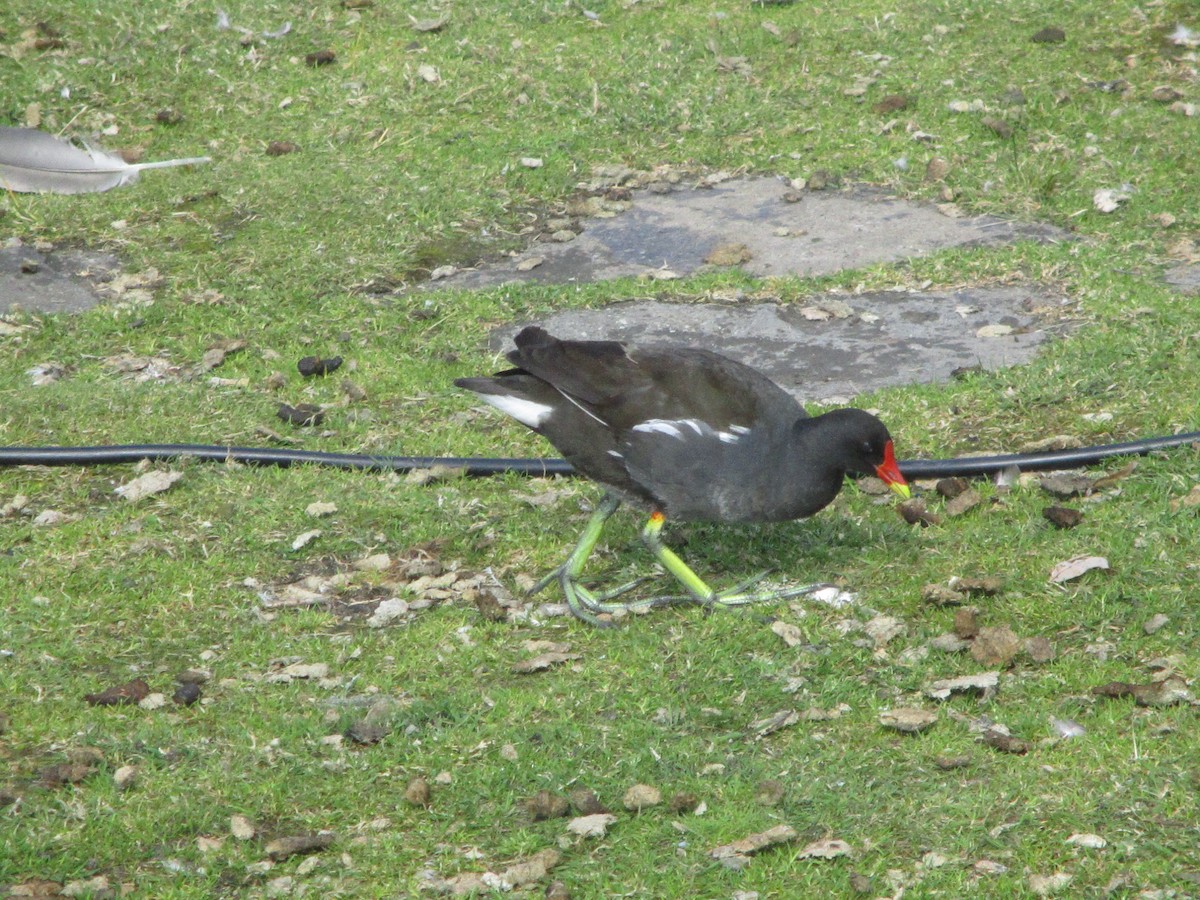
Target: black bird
{"x":689,"y":433}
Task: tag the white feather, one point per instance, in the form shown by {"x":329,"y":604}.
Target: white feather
{"x":528,"y":413}
{"x":32,"y":161}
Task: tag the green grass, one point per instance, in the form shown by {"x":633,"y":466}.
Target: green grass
{"x":309,"y":253}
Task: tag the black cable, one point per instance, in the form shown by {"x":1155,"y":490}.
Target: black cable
{"x":265,"y":456}
{"x":1050,"y":459}
{"x":477,"y":466}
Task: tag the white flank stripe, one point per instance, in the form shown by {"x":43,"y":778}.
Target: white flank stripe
{"x":733,"y":435}
{"x":677,"y":428}
{"x":524,"y":411}
{"x":660,"y":426}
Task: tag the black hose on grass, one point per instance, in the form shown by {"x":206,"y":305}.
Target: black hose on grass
{"x":1049,"y":459}
{"x":479,"y":466}
{"x":267,"y":456}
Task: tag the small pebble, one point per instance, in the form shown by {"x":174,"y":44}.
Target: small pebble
{"x":1155,"y":623}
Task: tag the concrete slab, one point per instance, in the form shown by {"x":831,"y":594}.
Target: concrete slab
{"x":51,"y":282}
{"x":827,"y":348}
{"x":880,"y":339}
{"x":820,"y":233}
{"x":1184,"y":278}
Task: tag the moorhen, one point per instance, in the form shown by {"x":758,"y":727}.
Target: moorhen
{"x":686,"y":432}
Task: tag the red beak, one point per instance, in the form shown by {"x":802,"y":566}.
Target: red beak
{"x":889,"y":472}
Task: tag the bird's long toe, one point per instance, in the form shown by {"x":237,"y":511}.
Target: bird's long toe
{"x":740,"y":596}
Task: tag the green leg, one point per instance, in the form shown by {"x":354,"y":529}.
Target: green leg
{"x":586,"y":605}
{"x":582,"y":602}
{"x":695,"y":585}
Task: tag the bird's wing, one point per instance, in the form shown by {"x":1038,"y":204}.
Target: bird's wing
{"x":627,"y":387}
{"x":589,"y":372}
